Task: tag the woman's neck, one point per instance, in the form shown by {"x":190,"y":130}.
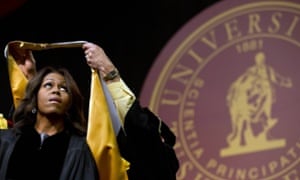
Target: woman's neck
{"x":49,"y":126}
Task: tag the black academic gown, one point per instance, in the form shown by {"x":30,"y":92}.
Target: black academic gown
{"x":150,"y":158}
{"x":79,"y":163}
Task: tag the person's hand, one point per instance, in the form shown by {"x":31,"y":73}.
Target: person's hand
{"x":98,"y":60}
{"x":25,"y":61}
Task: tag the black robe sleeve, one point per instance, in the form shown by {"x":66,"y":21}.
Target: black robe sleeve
{"x":150,"y":157}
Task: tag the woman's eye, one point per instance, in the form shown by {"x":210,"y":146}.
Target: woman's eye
{"x":48,"y":85}
{"x":63,"y":89}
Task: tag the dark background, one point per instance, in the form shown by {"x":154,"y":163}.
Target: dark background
{"x":131,"y":32}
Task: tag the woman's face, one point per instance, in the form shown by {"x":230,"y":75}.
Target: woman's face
{"x":53,"y":96}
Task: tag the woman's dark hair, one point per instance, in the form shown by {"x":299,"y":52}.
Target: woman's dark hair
{"x":75,"y":120}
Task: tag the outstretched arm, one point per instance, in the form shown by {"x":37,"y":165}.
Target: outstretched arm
{"x":148,"y":143}
{"x":122,"y":96}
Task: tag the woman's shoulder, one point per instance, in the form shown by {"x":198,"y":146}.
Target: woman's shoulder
{"x":6,"y":131}
{"x":8,"y":134}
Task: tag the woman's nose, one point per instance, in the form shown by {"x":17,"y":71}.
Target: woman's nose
{"x":55,"y":90}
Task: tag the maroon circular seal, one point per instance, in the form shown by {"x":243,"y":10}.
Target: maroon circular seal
{"x":228,"y":85}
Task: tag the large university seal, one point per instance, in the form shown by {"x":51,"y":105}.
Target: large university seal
{"x":228,"y":85}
